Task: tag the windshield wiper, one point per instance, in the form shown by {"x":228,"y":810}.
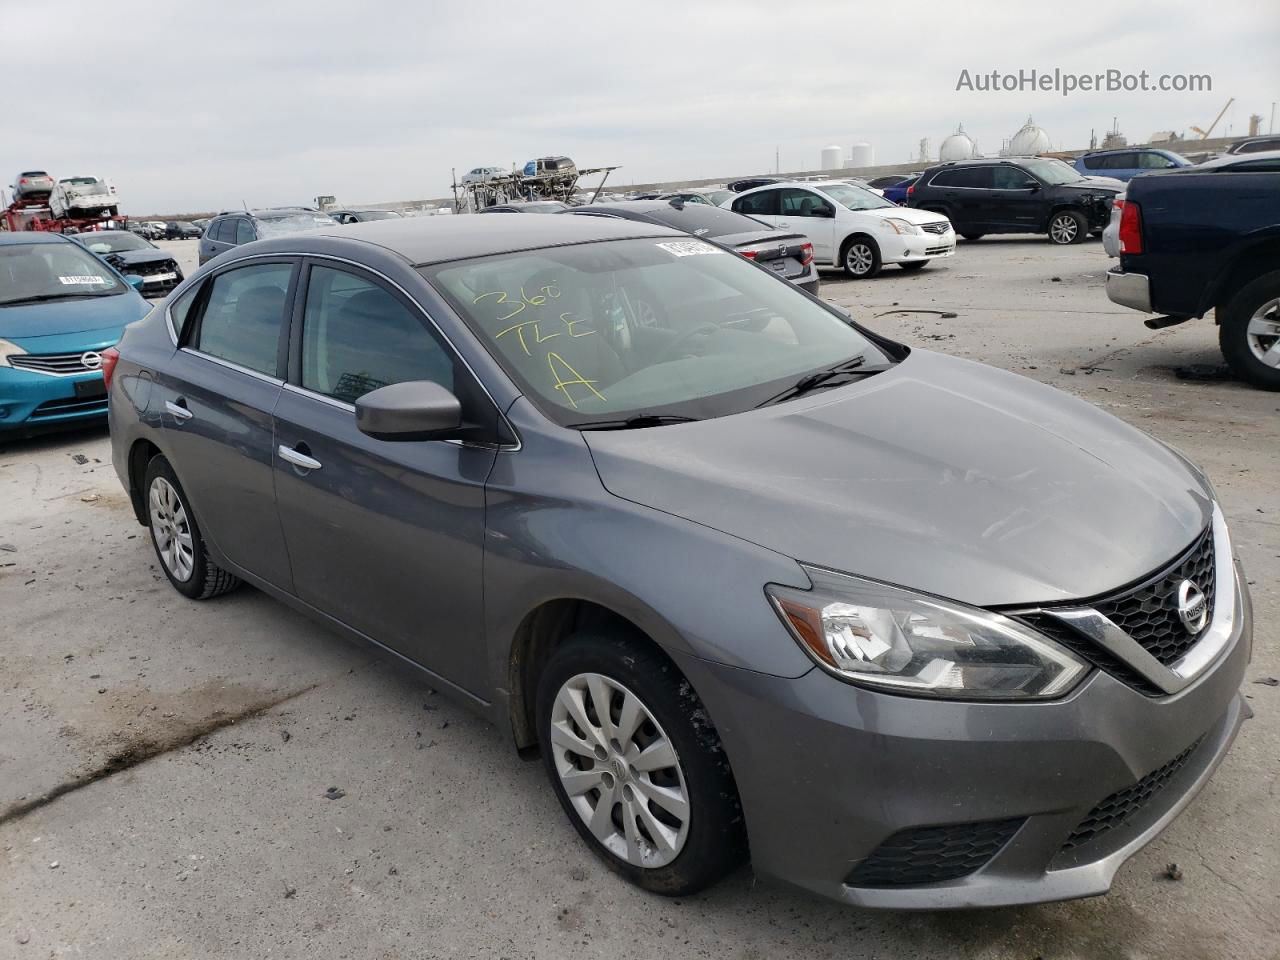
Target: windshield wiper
{"x":42,"y":297}
{"x":853,"y":367}
{"x":632,"y":423}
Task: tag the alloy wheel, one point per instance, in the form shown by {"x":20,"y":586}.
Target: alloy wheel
{"x":1263,"y":333}
{"x":1063,"y":229}
{"x":619,"y":770}
{"x":171,"y":530}
{"x":859,"y":258}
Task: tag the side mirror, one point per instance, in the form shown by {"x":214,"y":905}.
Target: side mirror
{"x":413,"y":410}
{"x":1034,"y":188}
{"x":134,"y":281}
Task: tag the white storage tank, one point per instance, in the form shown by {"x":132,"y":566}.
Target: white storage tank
{"x":832,"y":158}
{"x":1029,"y":141}
{"x":862,"y":154}
{"x":958,"y":146}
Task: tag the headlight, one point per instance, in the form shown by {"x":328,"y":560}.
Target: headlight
{"x":8,"y":350}
{"x":901,"y":226}
{"x":886,"y":637}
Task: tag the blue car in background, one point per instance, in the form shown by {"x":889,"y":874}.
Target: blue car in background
{"x":60,"y":307}
{"x":1127,"y":163}
{"x":897,"y":192}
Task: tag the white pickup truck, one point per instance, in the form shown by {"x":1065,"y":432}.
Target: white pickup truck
{"x":84,"y":197}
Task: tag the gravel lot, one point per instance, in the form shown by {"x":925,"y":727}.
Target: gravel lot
{"x":193,"y":744}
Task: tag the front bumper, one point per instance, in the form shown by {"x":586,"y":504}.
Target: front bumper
{"x":827,"y":772}
{"x":29,"y":400}
{"x":1131,"y":290}
{"x":899,"y":248}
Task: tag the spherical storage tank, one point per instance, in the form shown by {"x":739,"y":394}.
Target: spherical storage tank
{"x":862,"y":154}
{"x":1028,"y":141}
{"x":958,"y":146}
{"x":832,"y":158}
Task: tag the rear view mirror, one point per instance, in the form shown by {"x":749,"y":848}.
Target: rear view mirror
{"x":414,"y":410}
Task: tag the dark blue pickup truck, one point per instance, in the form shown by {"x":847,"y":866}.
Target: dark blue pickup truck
{"x":1208,"y":238}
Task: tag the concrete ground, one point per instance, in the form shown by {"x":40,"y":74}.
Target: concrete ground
{"x":189,"y":747}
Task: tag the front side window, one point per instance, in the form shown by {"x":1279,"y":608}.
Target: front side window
{"x":1154,"y":161}
{"x":803,"y":203}
{"x":357,"y":337}
{"x":762,"y":204}
{"x":36,"y":272}
{"x":243,"y":316}
{"x":244,"y":231}
{"x":1010,"y":178}
{"x":681,"y":327}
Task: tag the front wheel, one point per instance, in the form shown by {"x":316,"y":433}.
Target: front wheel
{"x":914,"y":265}
{"x":637,"y":766}
{"x":1250,"y":331}
{"x":1068,"y":226}
{"x":176,"y":537}
{"x":861,"y":258}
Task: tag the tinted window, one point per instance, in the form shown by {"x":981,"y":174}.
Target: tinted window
{"x":963,"y":177}
{"x":224,"y":231}
{"x":182,"y":306}
{"x":1154,"y":161}
{"x":242,"y":319}
{"x":1258,"y":146}
{"x":244,"y":231}
{"x":1093,"y":163}
{"x":1270,"y":165}
{"x":802,"y":203}
{"x":762,"y":204}
{"x":1011,"y":178}
{"x":357,"y":337}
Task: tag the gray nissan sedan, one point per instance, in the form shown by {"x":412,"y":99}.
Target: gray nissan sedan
{"x":914,"y":631}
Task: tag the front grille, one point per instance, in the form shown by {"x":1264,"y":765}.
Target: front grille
{"x":933,"y":854}
{"x":1149,"y":613}
{"x":1123,"y":804}
{"x":942,"y":226}
{"x":69,"y":405}
{"x":1082,"y":646}
{"x":147,"y":269}
{"x":938,"y":251}
{"x":60,"y":363}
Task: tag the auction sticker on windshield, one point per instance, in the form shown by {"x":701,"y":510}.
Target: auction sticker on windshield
{"x":75,"y":281}
{"x":688,"y":248}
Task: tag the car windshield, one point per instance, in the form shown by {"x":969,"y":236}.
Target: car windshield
{"x":1053,"y":171}
{"x":114,"y":243}
{"x":81,"y":181}
{"x":855,"y":198}
{"x":31,"y":272}
{"x":663,"y":327}
{"x":293,"y":223}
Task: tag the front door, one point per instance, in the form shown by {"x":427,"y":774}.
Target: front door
{"x":1016,"y":200}
{"x":804,"y":211}
{"x":216,"y":401}
{"x":386,"y":536}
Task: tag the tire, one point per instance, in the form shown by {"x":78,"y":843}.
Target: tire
{"x":1068,"y":226}
{"x":914,"y":265}
{"x":865,"y":257}
{"x":971,"y":237}
{"x":1250,"y":331}
{"x":192,"y":571}
{"x":702,"y":837}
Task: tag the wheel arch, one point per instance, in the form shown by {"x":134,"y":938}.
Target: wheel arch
{"x":141,"y":453}
{"x":1242,"y":268}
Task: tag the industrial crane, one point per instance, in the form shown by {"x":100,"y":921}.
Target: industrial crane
{"x":1204,"y":134}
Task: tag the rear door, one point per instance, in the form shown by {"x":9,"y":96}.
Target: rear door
{"x":217,"y":398}
{"x":385,"y":536}
{"x":963,"y":193}
{"x":809,"y":213}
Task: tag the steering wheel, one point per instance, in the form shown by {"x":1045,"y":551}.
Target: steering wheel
{"x":670,"y":352}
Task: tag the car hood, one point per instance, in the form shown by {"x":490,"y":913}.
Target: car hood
{"x":909,"y":214}
{"x":1095,"y":184}
{"x":130,"y":257}
{"x":54,"y":318}
{"x":942,"y":475}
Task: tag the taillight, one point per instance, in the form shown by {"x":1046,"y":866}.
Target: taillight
{"x":748,"y":253}
{"x":806,"y":254}
{"x":110,"y":357}
{"x":911,"y":189}
{"x":1130,"y":227}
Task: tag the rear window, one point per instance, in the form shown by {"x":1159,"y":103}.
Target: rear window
{"x":703,"y":220}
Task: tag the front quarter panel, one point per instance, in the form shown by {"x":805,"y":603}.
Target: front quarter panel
{"x":554,"y":532}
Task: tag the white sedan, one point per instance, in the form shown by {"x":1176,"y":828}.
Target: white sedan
{"x":850,"y":226}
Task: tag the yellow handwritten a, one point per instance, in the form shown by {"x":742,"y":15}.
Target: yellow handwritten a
{"x":563,"y":384}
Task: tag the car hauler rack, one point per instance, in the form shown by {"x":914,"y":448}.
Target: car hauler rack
{"x":517,"y":187}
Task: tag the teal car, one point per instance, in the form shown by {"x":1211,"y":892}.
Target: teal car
{"x":60,"y":308}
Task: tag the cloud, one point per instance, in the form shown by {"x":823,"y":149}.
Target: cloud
{"x":206,"y":106}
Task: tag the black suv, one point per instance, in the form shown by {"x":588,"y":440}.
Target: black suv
{"x":231,"y":229}
{"x":1016,"y":195}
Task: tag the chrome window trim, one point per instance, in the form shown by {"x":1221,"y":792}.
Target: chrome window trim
{"x":232,"y":366}
{"x":1206,"y":650}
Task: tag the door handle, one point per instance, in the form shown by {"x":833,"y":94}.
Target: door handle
{"x":299,"y":460}
{"x":178,"y":409}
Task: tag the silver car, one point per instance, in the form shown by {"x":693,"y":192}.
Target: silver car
{"x":1111,"y":233}
{"x":913,"y":631}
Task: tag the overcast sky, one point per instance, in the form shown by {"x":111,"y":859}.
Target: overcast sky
{"x":199,"y":106}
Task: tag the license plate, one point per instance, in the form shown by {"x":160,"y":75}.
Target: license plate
{"x":778,"y":266}
{"x":158,"y":277}
{"x":90,"y":389}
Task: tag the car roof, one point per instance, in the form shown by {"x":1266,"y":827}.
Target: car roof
{"x":1231,"y":159}
{"x":1103,"y":153}
{"x":427,"y":240}
{"x":31,"y":236}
